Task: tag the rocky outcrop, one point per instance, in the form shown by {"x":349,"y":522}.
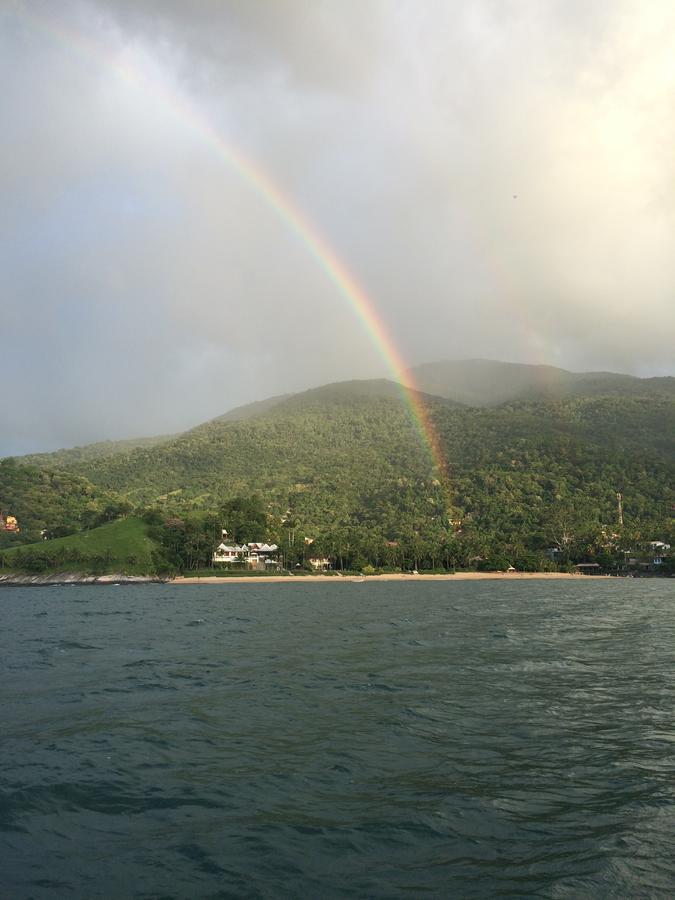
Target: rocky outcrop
{"x":76,"y":578}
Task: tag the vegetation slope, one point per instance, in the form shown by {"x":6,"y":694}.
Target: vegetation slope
{"x":122,"y":546}
{"x":344,"y":465}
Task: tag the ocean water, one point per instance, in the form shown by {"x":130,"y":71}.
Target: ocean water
{"x":400,"y":740}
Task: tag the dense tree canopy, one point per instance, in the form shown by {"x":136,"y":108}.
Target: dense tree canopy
{"x":344,"y":467}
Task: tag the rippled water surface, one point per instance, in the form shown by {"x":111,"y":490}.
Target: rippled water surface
{"x":448,"y":739}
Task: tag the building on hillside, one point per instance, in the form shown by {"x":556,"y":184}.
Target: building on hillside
{"x":659,"y":546}
{"x":230,"y":553}
{"x":263,"y":555}
{"x":653,"y":557}
{"x":8,"y":523}
{"x":319,"y":563}
{"x":254,"y":555}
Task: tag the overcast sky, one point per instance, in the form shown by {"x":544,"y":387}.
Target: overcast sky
{"x":498,"y":174}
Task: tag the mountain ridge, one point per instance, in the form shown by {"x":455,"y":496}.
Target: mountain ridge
{"x":493,"y":385}
{"x":481,"y":382}
{"x":347,"y":463}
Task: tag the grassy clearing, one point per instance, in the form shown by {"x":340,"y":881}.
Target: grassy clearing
{"x":121,"y":546}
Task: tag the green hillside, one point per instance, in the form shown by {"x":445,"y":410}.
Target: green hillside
{"x":345,"y":465}
{"x":56,"y":499}
{"x":121,"y":546}
{"x":99,"y":450}
{"x":326,"y":453}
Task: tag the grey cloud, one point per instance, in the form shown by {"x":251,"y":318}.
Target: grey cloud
{"x":317,"y":44}
{"x":497,"y":174}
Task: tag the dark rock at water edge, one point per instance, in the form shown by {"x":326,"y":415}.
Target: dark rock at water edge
{"x":53,"y":578}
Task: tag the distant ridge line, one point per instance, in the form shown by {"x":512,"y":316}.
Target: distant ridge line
{"x":476,"y":383}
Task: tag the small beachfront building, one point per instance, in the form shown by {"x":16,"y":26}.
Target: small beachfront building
{"x":254,"y":555}
{"x":230,"y":553}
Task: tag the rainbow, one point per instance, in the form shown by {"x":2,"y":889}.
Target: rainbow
{"x":283,"y":206}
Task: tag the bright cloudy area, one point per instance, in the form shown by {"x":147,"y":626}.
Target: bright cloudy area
{"x":175,"y":177}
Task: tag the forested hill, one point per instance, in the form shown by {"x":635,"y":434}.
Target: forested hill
{"x":331,"y":445}
{"x":348,"y":456}
{"x":76,"y":456}
{"x":484,"y":382}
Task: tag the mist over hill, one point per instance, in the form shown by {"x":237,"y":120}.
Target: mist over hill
{"x":471,"y":382}
{"x":484,"y":382}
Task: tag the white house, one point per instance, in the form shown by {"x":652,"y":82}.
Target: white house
{"x":255,"y":555}
{"x":229,"y":553}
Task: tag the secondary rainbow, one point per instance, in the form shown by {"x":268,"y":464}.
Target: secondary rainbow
{"x":285,"y":208}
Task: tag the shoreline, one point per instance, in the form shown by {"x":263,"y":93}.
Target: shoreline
{"x":75,"y":578}
{"x":398,"y":576}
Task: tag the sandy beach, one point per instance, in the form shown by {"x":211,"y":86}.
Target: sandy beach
{"x":337,"y":579}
